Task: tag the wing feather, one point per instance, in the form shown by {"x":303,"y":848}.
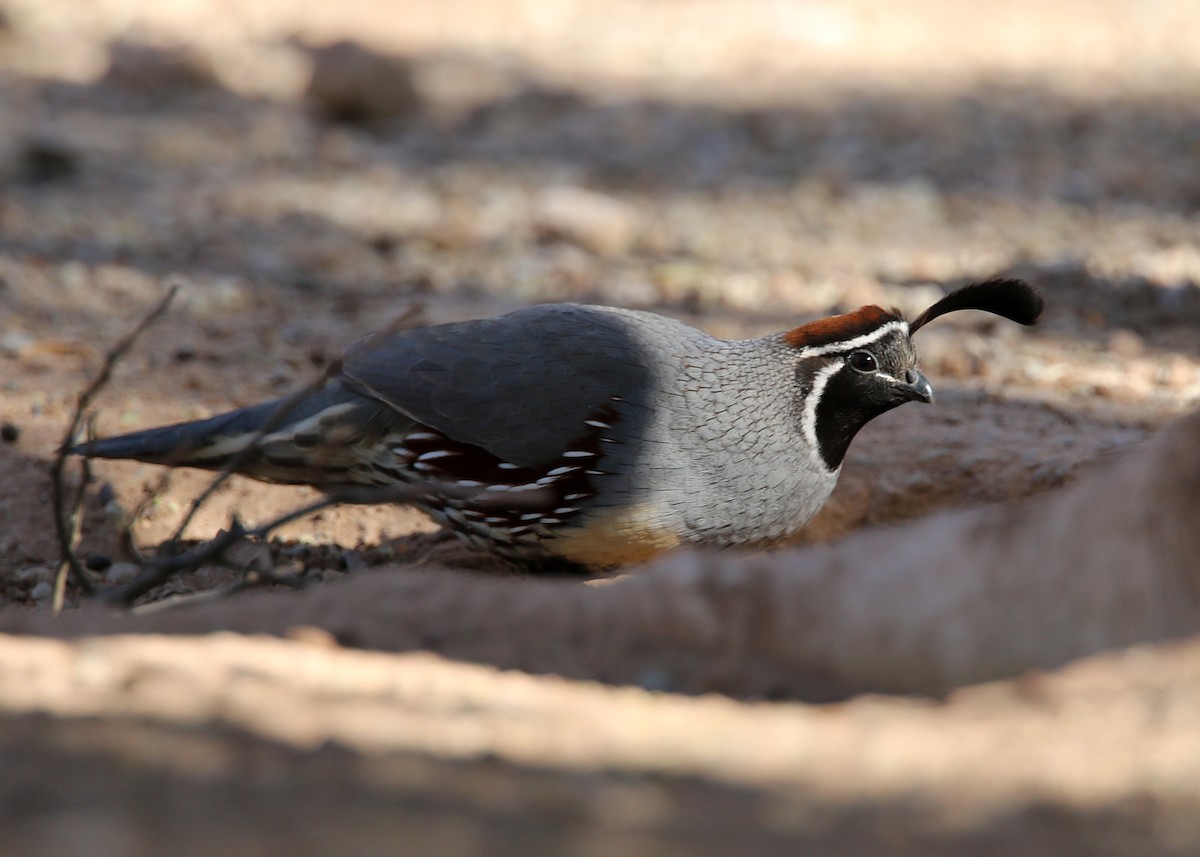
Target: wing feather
{"x":520,"y":386}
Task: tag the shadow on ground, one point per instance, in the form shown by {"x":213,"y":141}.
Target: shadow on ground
{"x":136,"y":788}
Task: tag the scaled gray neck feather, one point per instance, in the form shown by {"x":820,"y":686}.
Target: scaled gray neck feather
{"x":715,"y":438}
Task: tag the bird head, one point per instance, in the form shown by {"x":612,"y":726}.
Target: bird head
{"x":853,"y":367}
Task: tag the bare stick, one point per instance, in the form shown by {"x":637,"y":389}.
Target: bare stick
{"x":75,"y":530}
{"x":251,"y":579}
{"x":128,"y":544}
{"x":66,"y":523}
{"x":166,"y":566}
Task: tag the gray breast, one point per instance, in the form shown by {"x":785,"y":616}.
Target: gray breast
{"x":723,"y":460}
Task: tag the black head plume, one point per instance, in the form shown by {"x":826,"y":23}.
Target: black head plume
{"x":1013,"y":299}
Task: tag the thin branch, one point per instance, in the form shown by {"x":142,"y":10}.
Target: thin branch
{"x":125,"y":539}
{"x":66,"y":523}
{"x":75,"y":530}
{"x":251,"y":579}
{"x":165,"y":566}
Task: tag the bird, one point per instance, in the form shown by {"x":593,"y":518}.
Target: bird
{"x":597,"y":435}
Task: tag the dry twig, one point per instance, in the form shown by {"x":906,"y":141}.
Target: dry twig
{"x":126,"y":540}
{"x":67,"y":522}
{"x":74,"y":529}
{"x":212,"y":552}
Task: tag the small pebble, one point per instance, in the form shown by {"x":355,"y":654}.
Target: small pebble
{"x":42,"y":591}
{"x":97,"y":562}
{"x":45,"y":160}
{"x":655,"y":678}
{"x":311,"y":635}
{"x":31,"y":574}
{"x":353,"y":83}
{"x":121,"y":572}
{"x":15,"y":343}
{"x":603,"y":224}
{"x":158,"y":69}
{"x":1126,"y":343}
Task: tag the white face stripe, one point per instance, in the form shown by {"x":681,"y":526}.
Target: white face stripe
{"x":808,"y":420}
{"x":858,"y":341}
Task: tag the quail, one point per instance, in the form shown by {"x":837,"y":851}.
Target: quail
{"x":598,"y":435}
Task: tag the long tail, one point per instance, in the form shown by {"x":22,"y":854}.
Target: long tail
{"x":325,"y":439}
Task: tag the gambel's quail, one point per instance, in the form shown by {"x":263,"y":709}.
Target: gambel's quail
{"x":599,"y":435}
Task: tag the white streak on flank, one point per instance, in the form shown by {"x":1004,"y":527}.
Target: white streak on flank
{"x":596,"y":424}
{"x":287,"y":432}
{"x":228,"y":445}
{"x":506,"y":465}
{"x":437,"y":453}
{"x":808,"y":421}
{"x":578,"y":453}
{"x":562,"y":471}
{"x":857,"y":342}
{"x":423,"y":435}
{"x":468,"y":483}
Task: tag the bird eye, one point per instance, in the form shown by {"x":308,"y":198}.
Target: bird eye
{"x":863,"y":361}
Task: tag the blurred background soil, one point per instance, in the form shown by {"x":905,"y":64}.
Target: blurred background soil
{"x":744,"y":166}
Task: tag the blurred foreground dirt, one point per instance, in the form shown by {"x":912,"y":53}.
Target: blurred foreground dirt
{"x":250,"y":745}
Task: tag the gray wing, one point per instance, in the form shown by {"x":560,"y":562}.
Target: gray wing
{"x":519,"y":386}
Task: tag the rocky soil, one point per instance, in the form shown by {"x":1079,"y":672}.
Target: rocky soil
{"x":745,"y":167}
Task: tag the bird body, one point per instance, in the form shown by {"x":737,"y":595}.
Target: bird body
{"x":595,"y":434}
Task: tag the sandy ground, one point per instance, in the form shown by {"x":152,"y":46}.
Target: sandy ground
{"x":745,"y":170}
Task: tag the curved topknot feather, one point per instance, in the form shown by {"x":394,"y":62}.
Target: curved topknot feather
{"x":1013,"y":299}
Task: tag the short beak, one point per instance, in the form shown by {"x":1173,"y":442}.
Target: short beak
{"x":917,"y":387}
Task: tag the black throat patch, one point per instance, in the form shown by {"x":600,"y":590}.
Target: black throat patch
{"x":841,"y":412}
{"x":849,"y":400}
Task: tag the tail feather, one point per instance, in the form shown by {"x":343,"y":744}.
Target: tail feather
{"x":200,"y":443}
{"x":319,"y":440}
